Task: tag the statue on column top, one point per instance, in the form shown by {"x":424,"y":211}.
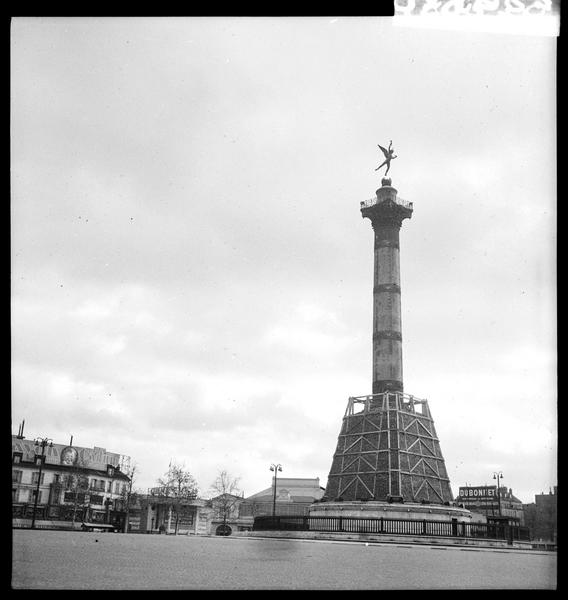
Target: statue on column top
{"x":389,"y":155}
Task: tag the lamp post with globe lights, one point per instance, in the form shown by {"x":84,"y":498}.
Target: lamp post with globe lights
{"x":275,"y":468}
{"x":498,"y":475}
{"x":42,"y":443}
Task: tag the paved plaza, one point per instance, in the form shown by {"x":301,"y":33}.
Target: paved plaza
{"x":77,"y":560}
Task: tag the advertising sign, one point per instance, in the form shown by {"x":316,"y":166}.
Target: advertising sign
{"x":482,"y":492}
{"x":69,"y":456}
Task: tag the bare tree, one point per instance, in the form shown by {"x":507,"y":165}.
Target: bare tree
{"x":78,"y":483}
{"x":128,"y":497}
{"x":227,"y":494}
{"x":180,"y":486}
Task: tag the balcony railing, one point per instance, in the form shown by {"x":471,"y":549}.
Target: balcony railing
{"x":386,"y":401}
{"x":375,"y":200}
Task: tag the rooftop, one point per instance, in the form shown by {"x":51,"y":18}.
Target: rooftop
{"x":92,"y":458}
{"x":291,"y":489}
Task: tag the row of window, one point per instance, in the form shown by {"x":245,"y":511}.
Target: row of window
{"x":39,"y":460}
{"x":80,"y":499}
{"x":17,"y":458}
{"x":69,"y":481}
{"x":27,"y":495}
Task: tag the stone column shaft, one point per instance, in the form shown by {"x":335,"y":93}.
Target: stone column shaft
{"x":387,"y":329}
{"x":386,"y":215}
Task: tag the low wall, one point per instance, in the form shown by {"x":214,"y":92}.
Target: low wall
{"x":46,"y":524}
{"x":385,"y":538}
{"x":376,"y":510}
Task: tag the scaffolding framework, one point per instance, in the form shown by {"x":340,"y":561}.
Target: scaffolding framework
{"x":387,"y":450}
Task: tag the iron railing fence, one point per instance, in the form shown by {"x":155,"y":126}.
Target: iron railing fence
{"x":496,"y":531}
{"x":375,"y":200}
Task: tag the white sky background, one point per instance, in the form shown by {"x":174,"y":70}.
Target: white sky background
{"x":191,"y":275}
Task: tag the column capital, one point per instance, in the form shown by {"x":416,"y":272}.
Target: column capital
{"x":387,"y":209}
{"x":386,"y":215}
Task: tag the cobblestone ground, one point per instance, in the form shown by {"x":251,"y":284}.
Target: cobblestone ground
{"x":69,"y":560}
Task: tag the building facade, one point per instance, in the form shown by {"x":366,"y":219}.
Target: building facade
{"x":160,"y":514}
{"x":541,"y":516}
{"x":484,"y":500}
{"x":227,"y":516}
{"x":293,"y":497}
{"x":227,"y":513}
{"x":58,"y":486}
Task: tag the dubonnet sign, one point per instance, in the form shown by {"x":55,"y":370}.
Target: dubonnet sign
{"x":482,"y":491}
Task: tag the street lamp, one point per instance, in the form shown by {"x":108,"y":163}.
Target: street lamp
{"x":275,"y":468}
{"x":109,"y":502}
{"x":39,"y":443}
{"x":498,"y":475}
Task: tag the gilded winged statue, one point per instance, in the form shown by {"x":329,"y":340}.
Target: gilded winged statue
{"x":389,"y":155}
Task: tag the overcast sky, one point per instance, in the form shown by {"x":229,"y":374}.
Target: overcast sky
{"x":191,"y":275}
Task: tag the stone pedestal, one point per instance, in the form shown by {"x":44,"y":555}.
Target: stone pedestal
{"x":376,"y":510}
{"x":388,"y":449}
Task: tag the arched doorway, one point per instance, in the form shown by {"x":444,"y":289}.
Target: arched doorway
{"x":223,"y":530}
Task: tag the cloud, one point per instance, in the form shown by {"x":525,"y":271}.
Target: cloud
{"x":191,"y":275}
